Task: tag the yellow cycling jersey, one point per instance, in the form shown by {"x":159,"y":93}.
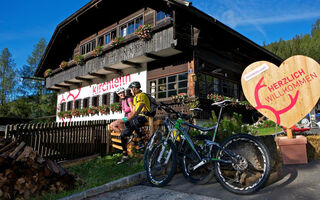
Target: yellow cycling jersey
{"x":142,"y":98}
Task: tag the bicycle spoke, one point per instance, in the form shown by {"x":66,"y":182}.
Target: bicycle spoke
{"x":248,"y":170}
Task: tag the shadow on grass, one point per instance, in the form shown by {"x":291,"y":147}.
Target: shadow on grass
{"x":98,"y":172}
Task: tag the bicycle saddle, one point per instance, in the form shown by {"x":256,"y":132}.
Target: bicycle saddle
{"x":222,"y":103}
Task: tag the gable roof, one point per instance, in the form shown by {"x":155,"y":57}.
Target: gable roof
{"x":81,"y":24}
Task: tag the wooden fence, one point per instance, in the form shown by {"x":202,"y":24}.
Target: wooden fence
{"x":64,"y":141}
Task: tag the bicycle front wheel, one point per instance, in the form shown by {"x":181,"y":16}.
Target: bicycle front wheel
{"x":243,"y":165}
{"x":155,"y":139}
{"x":162,"y":164}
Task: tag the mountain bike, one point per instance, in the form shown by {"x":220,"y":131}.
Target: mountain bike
{"x":241,"y":163}
{"x":163,"y":130}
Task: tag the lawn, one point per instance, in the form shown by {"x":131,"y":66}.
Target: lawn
{"x":267,"y":131}
{"x":98,"y":172}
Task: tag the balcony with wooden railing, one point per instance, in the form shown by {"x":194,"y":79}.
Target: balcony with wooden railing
{"x":131,"y":53}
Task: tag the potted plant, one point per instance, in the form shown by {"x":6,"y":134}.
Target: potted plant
{"x":67,"y":114}
{"x":115,"y":107}
{"x":180,"y":98}
{"x":144,"y":32}
{"x":47,"y":73}
{"x":193,"y":103}
{"x":116,"y":41}
{"x":97,"y":51}
{"x":60,"y":114}
{"x":93,"y":110}
{"x":63,"y":64}
{"x":104,"y":109}
{"x":75,"y":112}
{"x":83,"y":112}
{"x":78,"y":59}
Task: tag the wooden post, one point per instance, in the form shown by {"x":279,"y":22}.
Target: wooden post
{"x":151,"y":125}
{"x":108,"y":132}
{"x":289,"y":133}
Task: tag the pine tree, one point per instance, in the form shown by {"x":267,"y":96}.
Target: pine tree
{"x":33,"y":86}
{"x":7,"y":77}
{"x":308,"y":45}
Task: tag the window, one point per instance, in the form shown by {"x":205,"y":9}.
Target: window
{"x":88,"y":47}
{"x":131,"y":26}
{"x":83,"y":49}
{"x":110,"y":36}
{"x":77,"y":104}
{"x":168,"y":86}
{"x":101,"y":41}
{"x":69,"y":105}
{"x":209,"y":84}
{"x":95,"y":101}
{"x":116,"y":98}
{"x":139,"y":22}
{"x":106,"y":99}
{"x":63,"y":107}
{"x":162,"y":15}
{"x":123,"y":31}
{"x":85,"y":103}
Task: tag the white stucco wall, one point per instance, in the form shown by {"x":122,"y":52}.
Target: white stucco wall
{"x":100,"y":87}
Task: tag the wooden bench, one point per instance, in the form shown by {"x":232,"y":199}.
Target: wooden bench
{"x":148,"y":129}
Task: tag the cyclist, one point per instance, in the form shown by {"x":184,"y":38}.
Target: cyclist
{"x":127,"y":108}
{"x":138,"y":118}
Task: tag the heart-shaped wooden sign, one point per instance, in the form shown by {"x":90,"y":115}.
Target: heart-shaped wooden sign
{"x":284,"y":94}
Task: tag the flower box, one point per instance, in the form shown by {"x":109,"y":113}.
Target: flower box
{"x":63,"y":65}
{"x":78,"y":59}
{"x":144,"y":32}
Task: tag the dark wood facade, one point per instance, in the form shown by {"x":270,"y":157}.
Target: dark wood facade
{"x":185,"y":43}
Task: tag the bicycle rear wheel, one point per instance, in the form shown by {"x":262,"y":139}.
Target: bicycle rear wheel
{"x":204,"y":173}
{"x":248,"y":169}
{"x":162,"y":164}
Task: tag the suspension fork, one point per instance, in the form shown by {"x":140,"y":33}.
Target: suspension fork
{"x":165,"y":144}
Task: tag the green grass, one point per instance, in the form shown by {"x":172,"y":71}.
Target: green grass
{"x":268,"y":131}
{"x":98,"y":172}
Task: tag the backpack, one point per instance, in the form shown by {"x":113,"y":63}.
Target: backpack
{"x":153,"y":106}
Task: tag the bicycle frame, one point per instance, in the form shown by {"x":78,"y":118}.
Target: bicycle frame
{"x":184,"y":134}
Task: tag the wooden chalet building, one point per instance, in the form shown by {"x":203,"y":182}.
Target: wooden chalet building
{"x":188,"y":52}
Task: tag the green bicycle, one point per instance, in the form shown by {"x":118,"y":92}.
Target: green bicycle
{"x":241,"y":163}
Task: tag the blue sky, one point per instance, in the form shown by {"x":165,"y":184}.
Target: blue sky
{"x":23,"y":23}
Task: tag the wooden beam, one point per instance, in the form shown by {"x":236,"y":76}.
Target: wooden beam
{"x":117,"y":71}
{"x":135,"y":65}
{"x":101,"y":76}
{"x":73,"y":83}
{"x":54,"y":89}
{"x":62,"y":86}
{"x":150,"y":55}
{"x":83,"y":79}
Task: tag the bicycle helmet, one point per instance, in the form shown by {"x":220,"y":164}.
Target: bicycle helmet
{"x":135,"y":84}
{"x":119,"y":90}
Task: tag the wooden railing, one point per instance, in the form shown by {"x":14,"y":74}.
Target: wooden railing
{"x":64,"y":141}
